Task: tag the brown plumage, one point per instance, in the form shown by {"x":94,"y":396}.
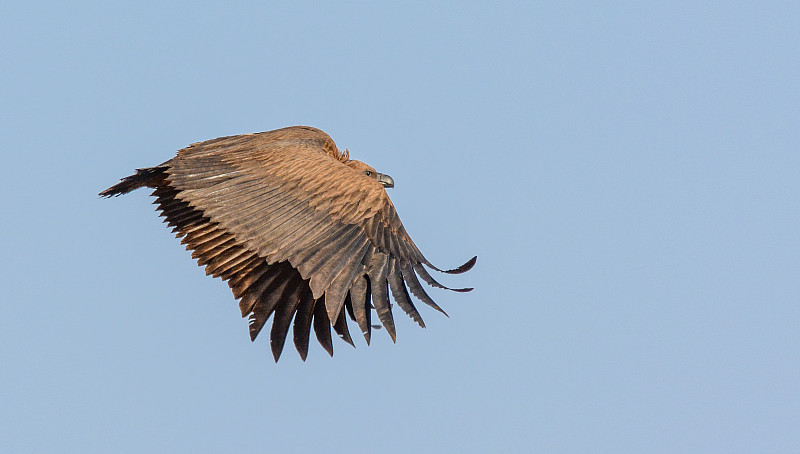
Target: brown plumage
{"x":297,"y":229}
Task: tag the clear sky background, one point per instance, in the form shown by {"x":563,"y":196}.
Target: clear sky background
{"x":627,"y":173}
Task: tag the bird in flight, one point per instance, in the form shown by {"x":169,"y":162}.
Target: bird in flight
{"x":299,"y":231}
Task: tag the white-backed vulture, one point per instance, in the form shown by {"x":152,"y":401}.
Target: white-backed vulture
{"x":297,"y":229}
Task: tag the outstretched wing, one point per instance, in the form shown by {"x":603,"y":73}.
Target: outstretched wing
{"x":296,"y":232}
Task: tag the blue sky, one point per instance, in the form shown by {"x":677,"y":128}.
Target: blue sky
{"x":628,"y":175}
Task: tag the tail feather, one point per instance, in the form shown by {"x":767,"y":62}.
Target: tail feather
{"x":150,"y":177}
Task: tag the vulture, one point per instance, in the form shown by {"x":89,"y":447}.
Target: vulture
{"x":301,"y":233}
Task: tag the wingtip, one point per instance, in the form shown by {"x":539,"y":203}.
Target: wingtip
{"x":391,"y":330}
{"x":108,"y":192}
{"x":277,"y":349}
{"x":349,"y":340}
{"x":458,"y":270}
{"x":463,"y":268}
{"x":430,"y":280}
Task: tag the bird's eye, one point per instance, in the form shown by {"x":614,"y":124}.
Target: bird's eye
{"x":368,"y":173}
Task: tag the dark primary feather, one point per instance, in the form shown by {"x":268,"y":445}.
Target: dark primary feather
{"x":322,"y":326}
{"x":299,"y":231}
{"x":362,"y":305}
{"x":302,"y":323}
{"x":380,"y":293}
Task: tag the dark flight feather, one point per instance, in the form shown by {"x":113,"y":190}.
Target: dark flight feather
{"x":322,"y":326}
{"x":400,"y":293}
{"x":361,"y":302}
{"x":302,"y":323}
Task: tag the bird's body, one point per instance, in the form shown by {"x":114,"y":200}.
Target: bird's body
{"x":297,"y":229}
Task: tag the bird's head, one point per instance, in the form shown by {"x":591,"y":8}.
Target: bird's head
{"x":368,"y":171}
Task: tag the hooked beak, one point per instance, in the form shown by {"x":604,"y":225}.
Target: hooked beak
{"x":386,"y":180}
